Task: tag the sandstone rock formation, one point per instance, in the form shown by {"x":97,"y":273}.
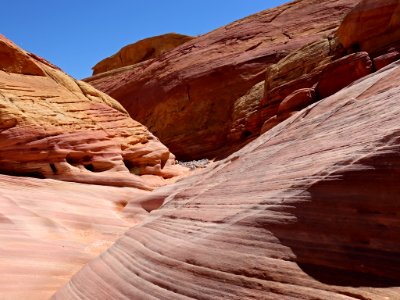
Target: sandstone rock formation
{"x":187,"y":96}
{"x":53,"y":126}
{"x":141,"y":51}
{"x":309,"y":210}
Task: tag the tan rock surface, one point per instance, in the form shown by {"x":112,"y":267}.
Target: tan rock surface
{"x":141,"y":51}
{"x":309,"y":210}
{"x":186,"y":96}
{"x":56,"y":127}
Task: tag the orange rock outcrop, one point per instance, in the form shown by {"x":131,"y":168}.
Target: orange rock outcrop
{"x":53,"y":126}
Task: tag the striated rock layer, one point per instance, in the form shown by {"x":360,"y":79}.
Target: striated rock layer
{"x":53,"y":126}
{"x":309,"y":210}
{"x":187,"y":96}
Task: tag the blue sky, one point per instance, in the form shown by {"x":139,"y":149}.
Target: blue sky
{"x":75,"y":35}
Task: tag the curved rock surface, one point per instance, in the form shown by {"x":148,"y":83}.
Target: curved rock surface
{"x":141,"y":51}
{"x":186,"y":97}
{"x":53,"y":126}
{"x":380,"y":26}
{"x":49,"y":229}
{"x":309,"y":210}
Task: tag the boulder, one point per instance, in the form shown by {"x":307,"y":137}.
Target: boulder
{"x":297,"y":100}
{"x":343,"y":72}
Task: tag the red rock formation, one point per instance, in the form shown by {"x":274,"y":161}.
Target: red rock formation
{"x":309,"y":210}
{"x":141,"y":51}
{"x":186,"y":96}
{"x":380,"y":26}
{"x":56,"y":127}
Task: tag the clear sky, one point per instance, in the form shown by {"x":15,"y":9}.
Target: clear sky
{"x":76,"y":34}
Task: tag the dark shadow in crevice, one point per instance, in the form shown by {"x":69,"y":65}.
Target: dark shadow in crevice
{"x":34,"y":174}
{"x":89,"y":167}
{"x":347,"y":228}
{"x":53,"y":168}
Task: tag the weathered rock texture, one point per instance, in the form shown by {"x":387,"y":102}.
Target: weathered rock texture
{"x":141,"y":51}
{"x":187,"y":97}
{"x":309,"y":210}
{"x":56,"y":127}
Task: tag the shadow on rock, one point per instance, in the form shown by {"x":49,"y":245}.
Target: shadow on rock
{"x":347,"y":228}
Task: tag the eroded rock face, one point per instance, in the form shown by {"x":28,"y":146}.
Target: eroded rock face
{"x":187,"y":96}
{"x":53,"y":126}
{"x":309,"y":210}
{"x":141,"y":51}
